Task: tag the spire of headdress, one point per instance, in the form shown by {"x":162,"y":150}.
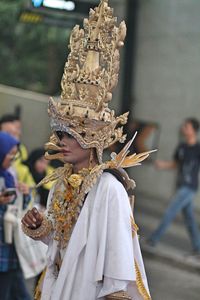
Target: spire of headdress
{"x":90,"y":75}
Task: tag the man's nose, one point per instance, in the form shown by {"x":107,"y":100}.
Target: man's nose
{"x":63,"y":143}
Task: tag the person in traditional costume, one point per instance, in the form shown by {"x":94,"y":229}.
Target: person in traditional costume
{"x":93,"y":249}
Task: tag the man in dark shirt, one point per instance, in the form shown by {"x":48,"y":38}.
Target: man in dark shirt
{"x":187,"y":161}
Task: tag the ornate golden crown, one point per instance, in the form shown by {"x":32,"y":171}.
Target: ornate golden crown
{"x":90,"y":75}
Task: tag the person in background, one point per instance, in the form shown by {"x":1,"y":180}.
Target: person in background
{"x":187,"y":160}
{"x":11,"y":276}
{"x":12,"y":124}
{"x":39,"y":168}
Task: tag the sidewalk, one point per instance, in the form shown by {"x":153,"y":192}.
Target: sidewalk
{"x":175,"y":247}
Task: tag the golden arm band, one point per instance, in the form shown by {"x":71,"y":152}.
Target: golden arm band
{"x":40,"y":232}
{"x":119,"y":296}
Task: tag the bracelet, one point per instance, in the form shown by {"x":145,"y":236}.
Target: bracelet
{"x":43,"y":230}
{"x":118,"y":296}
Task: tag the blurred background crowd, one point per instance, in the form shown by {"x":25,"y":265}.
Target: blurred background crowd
{"x":158,"y":84}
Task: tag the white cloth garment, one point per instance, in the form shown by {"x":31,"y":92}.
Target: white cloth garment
{"x":99,"y":258}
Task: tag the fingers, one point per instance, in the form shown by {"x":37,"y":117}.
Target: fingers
{"x":23,"y":188}
{"x":32,"y":219}
{"x":28,"y":220}
{"x":37,"y":215}
{"x":5,"y":199}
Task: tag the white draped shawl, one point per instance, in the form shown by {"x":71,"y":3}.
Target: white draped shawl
{"x":102,"y":255}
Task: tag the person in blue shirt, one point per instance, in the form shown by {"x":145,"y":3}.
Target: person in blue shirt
{"x":11,"y":277}
{"x":187,"y":162}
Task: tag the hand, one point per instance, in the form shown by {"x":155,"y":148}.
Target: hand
{"x":159,"y":164}
{"x":32,"y":219}
{"x":23,"y":188}
{"x":5,"y":199}
{"x":165,"y":165}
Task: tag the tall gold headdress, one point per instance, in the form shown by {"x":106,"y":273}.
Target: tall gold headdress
{"x":90,"y":75}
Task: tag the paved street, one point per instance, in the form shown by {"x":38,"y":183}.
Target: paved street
{"x":171,"y":283}
{"x":172,"y":274}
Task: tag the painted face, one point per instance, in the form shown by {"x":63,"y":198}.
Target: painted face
{"x":10,"y":157}
{"x":73,"y":152}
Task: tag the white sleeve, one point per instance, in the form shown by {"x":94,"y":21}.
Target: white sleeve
{"x":118,"y":249}
{"x":117,"y":252}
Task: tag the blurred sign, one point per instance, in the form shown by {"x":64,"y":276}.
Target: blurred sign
{"x":56,"y":12}
{"x":56,"y":4}
{"x":37,"y":3}
{"x":76,"y":6}
{"x":30,"y":17}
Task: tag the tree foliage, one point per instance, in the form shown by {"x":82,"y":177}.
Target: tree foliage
{"x":32,"y":56}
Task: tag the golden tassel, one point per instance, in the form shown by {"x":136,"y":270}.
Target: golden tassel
{"x":140,"y":284}
{"x":38,"y":290}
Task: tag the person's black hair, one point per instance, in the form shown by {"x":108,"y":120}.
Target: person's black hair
{"x":34,"y":156}
{"x":194,"y":122}
{"x":8,"y":118}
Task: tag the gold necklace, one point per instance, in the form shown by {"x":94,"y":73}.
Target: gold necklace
{"x":66,"y":205}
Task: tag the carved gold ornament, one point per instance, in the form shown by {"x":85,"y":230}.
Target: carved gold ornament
{"x":90,"y":75}
{"x":75,"y":180}
{"x":122,"y":295}
{"x":42,"y":231}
